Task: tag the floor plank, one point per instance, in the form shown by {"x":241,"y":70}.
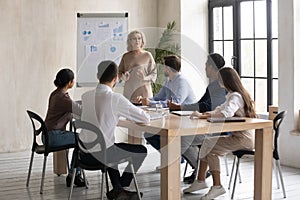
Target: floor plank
{"x":14,"y":169}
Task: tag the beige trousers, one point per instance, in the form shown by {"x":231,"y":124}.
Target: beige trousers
{"x":213,"y":147}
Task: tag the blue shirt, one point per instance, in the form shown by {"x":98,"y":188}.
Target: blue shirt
{"x":178,"y":90}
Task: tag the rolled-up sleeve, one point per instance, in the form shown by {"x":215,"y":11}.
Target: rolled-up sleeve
{"x":233,"y":103}
{"x":128,"y":110}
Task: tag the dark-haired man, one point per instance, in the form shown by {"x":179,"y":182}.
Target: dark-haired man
{"x":214,"y":94}
{"x":213,"y":97}
{"x":176,"y":88}
{"x":103,"y":107}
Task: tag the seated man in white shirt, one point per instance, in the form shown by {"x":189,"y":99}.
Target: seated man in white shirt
{"x":103,"y":107}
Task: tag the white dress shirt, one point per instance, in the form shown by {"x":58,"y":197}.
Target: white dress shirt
{"x":233,"y":106}
{"x":108,"y":108}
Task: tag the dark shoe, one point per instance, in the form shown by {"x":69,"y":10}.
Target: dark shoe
{"x":122,"y":195}
{"x":79,"y":181}
{"x":190,"y":179}
{"x":207,"y":174}
{"x":134,"y":195}
{"x":112,"y":194}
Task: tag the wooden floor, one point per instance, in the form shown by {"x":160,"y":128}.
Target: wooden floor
{"x":14,"y":169}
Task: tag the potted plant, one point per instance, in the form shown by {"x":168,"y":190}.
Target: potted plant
{"x":169,"y":44}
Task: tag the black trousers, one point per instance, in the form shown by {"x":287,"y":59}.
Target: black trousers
{"x":118,"y":152}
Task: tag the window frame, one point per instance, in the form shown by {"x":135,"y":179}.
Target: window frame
{"x":237,"y":41}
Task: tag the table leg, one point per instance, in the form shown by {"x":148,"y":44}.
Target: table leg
{"x":263,"y":164}
{"x":60,"y":163}
{"x":170,"y":168}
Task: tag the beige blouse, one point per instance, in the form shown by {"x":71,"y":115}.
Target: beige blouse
{"x":133,"y":62}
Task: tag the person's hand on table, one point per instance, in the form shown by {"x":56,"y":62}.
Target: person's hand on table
{"x":141,"y":100}
{"x":138,"y":100}
{"x":173,"y":106}
{"x":145,"y":101}
{"x":199,"y":115}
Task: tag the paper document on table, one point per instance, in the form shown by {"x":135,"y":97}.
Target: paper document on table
{"x":182,"y":113}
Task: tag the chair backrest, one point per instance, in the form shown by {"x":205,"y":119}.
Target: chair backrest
{"x":37,"y":120}
{"x":90,"y":142}
{"x":276,"y":124}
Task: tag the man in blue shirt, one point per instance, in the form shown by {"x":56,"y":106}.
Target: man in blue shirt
{"x":213,"y":97}
{"x":175,"y":89}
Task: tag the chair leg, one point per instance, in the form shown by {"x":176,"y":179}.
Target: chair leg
{"x":43,"y":175}
{"x":135,"y":181}
{"x":68,"y":163}
{"x":72,"y":183}
{"x":232,"y":170}
{"x":102,"y":186}
{"x":226,"y":165}
{"x":198,"y":165}
{"x":29,"y":170}
{"x":281,"y":178}
{"x":276,"y":173}
{"x":85,"y":180}
{"x":185,"y":169}
{"x":106,"y":181}
{"x":240,"y":178}
{"x":236,"y":174}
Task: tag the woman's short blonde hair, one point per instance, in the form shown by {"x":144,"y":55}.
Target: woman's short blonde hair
{"x":130,"y":35}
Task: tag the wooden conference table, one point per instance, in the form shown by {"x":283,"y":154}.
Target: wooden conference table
{"x":173,"y":127}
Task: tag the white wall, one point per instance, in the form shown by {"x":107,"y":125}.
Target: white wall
{"x":168,"y":10}
{"x":289,"y":84}
{"x":194,"y":43}
{"x":37,"y":38}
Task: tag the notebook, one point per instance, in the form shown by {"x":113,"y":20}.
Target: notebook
{"x":225,"y":119}
{"x":182,"y":113}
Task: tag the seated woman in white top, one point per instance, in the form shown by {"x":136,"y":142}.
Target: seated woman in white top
{"x":238,"y":103}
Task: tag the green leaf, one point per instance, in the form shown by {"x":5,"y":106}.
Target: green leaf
{"x":167,"y":45}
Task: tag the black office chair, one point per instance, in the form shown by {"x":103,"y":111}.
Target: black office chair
{"x":91,"y":154}
{"x":39,"y":127}
{"x":240,"y":153}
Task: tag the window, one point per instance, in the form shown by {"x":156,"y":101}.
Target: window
{"x":245,"y":33}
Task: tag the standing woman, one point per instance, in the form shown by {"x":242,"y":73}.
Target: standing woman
{"x":238,"y":103}
{"x":61,"y":109}
{"x":137,"y":68}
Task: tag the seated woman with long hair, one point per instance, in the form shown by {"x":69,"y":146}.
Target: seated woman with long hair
{"x":238,"y":103}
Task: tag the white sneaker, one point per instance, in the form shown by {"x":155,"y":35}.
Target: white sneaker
{"x":196,"y":185}
{"x":214,"y":192}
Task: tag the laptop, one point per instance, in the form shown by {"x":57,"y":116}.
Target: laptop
{"x":225,"y":119}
